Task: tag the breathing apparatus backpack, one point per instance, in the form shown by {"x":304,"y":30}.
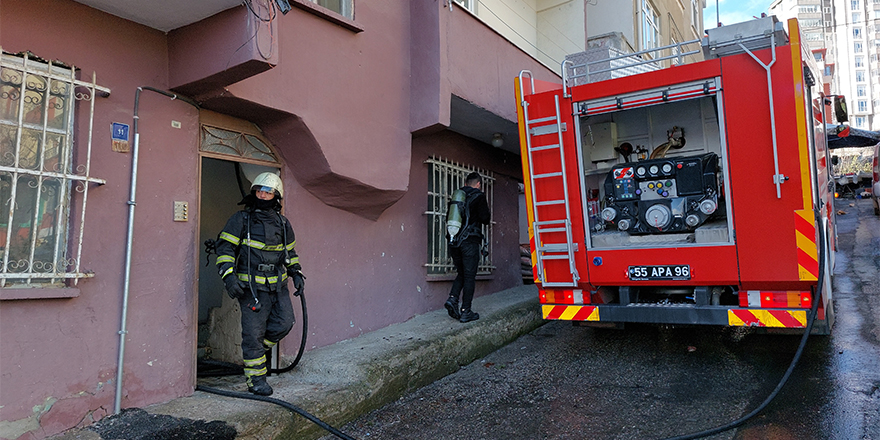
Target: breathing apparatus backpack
{"x":458,"y":226}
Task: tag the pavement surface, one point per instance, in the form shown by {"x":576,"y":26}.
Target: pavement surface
{"x":336,"y":383}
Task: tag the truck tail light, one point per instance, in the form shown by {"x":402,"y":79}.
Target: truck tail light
{"x":776,"y":298}
{"x":575,"y":296}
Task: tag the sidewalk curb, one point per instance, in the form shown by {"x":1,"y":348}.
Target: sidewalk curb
{"x":345,"y":380}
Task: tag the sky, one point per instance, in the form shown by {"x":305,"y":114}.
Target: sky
{"x":732,"y":11}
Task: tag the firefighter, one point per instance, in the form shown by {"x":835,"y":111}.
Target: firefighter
{"x":256,"y":256}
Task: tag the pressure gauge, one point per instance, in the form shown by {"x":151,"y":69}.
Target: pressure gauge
{"x":667,"y":168}
{"x":658,"y":216}
{"x":608,"y":214}
{"x":654,"y":169}
{"x":640,"y":171}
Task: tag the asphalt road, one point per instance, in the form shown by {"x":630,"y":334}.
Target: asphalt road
{"x":645,"y":382}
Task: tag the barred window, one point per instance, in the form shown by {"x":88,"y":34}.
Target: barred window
{"x":43,"y":184}
{"x":444,"y":177}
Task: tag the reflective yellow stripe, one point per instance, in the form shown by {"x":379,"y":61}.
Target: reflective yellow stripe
{"x":294,"y":260}
{"x":255,"y":371}
{"x":225,"y":259}
{"x":254,"y":244}
{"x":262,"y":280}
{"x":230,"y":238}
{"x":290,"y":246}
{"x":268,"y":343}
{"x":226,"y":272}
{"x":255,"y":362}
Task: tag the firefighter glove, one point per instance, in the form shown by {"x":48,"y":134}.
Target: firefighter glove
{"x":233,"y":287}
{"x":299,"y":280}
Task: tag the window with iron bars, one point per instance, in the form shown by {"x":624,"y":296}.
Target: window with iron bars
{"x":43,"y":184}
{"x":444,"y":177}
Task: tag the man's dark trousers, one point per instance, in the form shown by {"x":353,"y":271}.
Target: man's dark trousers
{"x":466,"y":259}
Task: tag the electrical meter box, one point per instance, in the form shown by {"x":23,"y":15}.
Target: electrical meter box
{"x":600,"y":140}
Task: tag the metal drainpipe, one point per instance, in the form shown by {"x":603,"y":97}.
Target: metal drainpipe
{"x":129,"y":234}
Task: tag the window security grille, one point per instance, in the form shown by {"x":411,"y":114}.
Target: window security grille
{"x":444,"y":177}
{"x":44,"y":183}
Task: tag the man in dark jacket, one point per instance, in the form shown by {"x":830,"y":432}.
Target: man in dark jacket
{"x":256,"y":256}
{"x":466,"y":256}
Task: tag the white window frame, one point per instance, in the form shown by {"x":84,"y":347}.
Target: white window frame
{"x":860,"y":121}
{"x":859,"y":61}
{"x":444,"y":177}
{"x":861,"y":91}
{"x":69,"y":177}
{"x":470,"y":5}
{"x":860,"y":76}
{"x":863,"y":105}
{"x":649,"y":26}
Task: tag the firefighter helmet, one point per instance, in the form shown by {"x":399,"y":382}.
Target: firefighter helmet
{"x":271,"y":180}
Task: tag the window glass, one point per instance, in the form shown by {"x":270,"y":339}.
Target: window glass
{"x":234,"y":143}
{"x":860,"y":75}
{"x":344,"y":8}
{"x":650,"y":27}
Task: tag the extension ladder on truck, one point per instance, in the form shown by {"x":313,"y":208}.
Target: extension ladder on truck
{"x":548,"y":181}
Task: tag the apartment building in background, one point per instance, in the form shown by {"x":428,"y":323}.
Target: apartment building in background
{"x":845,"y":35}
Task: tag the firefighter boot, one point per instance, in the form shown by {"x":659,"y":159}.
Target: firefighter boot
{"x":259,"y":386}
{"x":452,"y":307}
{"x":468,"y":315}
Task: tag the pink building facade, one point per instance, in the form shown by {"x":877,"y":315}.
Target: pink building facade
{"x":358,"y":115}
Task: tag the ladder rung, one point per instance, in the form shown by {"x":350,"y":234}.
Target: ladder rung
{"x":540,"y":120}
{"x":558,"y":284}
{"x":554,"y":247}
{"x":542,"y":230}
{"x":550,"y":202}
{"x":545,"y":147}
{"x":554,"y":257}
{"x":546,"y":175}
{"x":551,"y":222}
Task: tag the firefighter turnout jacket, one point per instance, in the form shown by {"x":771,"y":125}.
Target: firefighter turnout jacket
{"x":257,"y":246}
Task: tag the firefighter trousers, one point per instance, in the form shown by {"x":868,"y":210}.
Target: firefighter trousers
{"x":263,"y":329}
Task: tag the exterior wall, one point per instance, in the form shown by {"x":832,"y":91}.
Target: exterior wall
{"x":616,"y":16}
{"x":562,"y":29}
{"x":59,"y":355}
{"x":340,"y":107}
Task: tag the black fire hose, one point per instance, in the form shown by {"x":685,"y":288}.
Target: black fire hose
{"x":811,"y":317}
{"x":209,"y":368}
{"x":287,"y":405}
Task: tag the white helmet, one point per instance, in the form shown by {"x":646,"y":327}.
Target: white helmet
{"x":270,"y":180}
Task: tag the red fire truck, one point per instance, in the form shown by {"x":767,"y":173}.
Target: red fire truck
{"x":691,"y":194}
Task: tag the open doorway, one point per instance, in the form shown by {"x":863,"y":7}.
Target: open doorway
{"x":223,"y":185}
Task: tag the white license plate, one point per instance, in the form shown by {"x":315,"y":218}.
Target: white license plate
{"x":675,"y":272}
